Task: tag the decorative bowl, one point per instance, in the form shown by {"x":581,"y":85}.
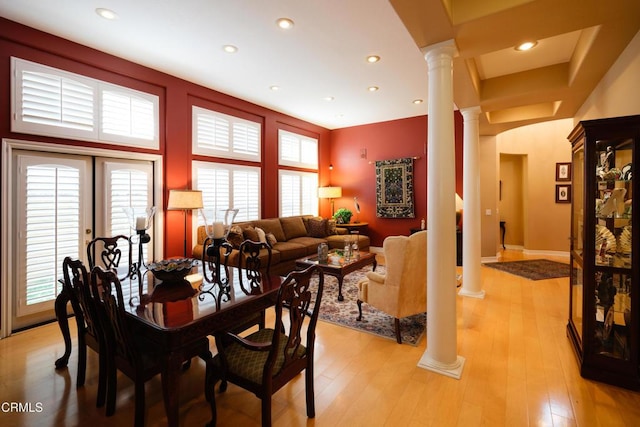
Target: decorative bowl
{"x":172,"y":270}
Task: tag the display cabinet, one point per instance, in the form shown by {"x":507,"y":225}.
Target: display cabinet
{"x":603,"y":305}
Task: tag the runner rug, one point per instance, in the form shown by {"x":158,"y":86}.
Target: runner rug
{"x":534,"y":269}
{"x":344,"y":313}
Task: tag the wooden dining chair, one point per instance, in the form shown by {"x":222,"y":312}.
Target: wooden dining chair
{"x":136,"y":357}
{"x":108,"y":253}
{"x":76,"y":282}
{"x":268,"y":359}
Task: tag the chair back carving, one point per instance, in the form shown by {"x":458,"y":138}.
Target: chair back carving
{"x":250,"y":257}
{"x":76,"y":279}
{"x":303,"y":306}
{"x":108,"y":293}
{"x":108,"y":253}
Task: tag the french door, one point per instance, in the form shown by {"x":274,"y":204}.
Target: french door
{"x":61,"y":202}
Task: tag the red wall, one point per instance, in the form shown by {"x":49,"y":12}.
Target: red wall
{"x":356,"y":175}
{"x":176,"y":98}
{"x":342,"y":147}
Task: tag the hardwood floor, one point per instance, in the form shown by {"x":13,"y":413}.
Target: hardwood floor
{"x":520,"y":370}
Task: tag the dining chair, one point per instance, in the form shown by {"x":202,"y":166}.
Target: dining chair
{"x":132,"y":354}
{"x":108,"y":253}
{"x":266,"y":360}
{"x":76,"y":282}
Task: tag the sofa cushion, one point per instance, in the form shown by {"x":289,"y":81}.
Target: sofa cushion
{"x":289,"y":251}
{"x":317,"y":227}
{"x":310,"y":243}
{"x":272,"y":226}
{"x":293,"y":227}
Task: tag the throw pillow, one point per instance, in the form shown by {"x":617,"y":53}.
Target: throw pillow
{"x":331,"y":227}
{"x":317,"y":227}
{"x":271,"y":239}
{"x":235,"y":237}
{"x":250,"y":233}
{"x":262,"y":238}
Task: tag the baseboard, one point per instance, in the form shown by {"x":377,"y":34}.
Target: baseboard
{"x":559,"y":254}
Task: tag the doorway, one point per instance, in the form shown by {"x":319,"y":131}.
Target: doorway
{"x":512,"y":197}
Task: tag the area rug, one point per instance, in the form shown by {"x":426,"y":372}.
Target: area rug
{"x":344,"y":313}
{"x":534,"y":269}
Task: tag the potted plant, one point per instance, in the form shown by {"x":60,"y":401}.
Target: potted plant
{"x":342,"y":216}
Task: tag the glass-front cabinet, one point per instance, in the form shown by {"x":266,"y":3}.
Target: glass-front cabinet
{"x":603,"y":314}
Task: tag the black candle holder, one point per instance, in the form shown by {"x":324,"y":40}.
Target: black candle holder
{"x":220,"y":288}
{"x":137,"y":267}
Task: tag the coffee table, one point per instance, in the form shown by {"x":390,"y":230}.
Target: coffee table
{"x":339,"y":270}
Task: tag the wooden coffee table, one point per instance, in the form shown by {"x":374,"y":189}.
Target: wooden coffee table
{"x":339,"y":270}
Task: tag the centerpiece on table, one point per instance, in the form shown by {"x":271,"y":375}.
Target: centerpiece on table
{"x":172,"y":270}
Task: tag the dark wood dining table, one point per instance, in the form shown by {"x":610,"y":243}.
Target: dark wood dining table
{"x":175,"y":315}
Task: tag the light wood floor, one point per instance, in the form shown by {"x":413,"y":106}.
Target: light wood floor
{"x":520,"y":370}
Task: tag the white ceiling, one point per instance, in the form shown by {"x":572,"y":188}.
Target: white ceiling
{"x":324,"y":54}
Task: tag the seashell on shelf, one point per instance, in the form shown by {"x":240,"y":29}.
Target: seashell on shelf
{"x":603,"y":234}
{"x":624,"y":240}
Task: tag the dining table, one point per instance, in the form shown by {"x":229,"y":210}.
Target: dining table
{"x":174,"y":315}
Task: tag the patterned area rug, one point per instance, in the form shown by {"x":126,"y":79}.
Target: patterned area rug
{"x":344,"y":313}
{"x":534,"y":269}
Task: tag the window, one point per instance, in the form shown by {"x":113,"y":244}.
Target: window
{"x":221,"y":135}
{"x":298,"y":193}
{"x":52,"y":102}
{"x":297,"y":150}
{"x":226,"y":186}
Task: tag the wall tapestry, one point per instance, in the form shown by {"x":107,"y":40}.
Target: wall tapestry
{"x":394,"y":188}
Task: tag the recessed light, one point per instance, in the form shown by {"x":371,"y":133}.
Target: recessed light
{"x":328,"y":98}
{"x":229,"y":48}
{"x":525,"y":46}
{"x":285,"y":23}
{"x":418,"y":101}
{"x":373,"y":58}
{"x":274,"y":88}
{"x":106,"y":13}
{"x":373,"y":88}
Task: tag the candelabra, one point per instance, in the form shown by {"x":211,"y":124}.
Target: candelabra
{"x":217,"y":226}
{"x":140,"y":221}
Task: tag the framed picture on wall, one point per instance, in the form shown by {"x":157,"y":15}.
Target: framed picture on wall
{"x":563,"y":193}
{"x":563,"y":171}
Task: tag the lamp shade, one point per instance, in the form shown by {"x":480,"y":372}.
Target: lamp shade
{"x":329,"y":192}
{"x":184,"y":199}
{"x":459,"y":203}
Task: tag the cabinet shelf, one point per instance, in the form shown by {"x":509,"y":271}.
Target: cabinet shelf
{"x":604,"y":324}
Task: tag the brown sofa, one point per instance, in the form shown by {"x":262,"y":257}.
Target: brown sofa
{"x":290,"y":238}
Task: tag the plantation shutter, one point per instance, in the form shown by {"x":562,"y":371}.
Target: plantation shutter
{"x":126,"y":115}
{"x":222,"y":135}
{"x":51,"y":203}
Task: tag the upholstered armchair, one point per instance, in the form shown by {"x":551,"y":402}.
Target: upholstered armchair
{"x":402,"y":290}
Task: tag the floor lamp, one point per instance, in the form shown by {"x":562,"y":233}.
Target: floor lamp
{"x":330,"y":193}
{"x":184,"y":200}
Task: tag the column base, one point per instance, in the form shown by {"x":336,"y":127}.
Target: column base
{"x":467,"y":293}
{"x":453,"y":370}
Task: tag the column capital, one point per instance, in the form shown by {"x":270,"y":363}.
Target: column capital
{"x":471,"y":113}
{"x":445,"y":48}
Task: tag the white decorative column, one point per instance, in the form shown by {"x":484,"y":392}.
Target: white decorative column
{"x":471,"y":215}
{"x":440,"y":355}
